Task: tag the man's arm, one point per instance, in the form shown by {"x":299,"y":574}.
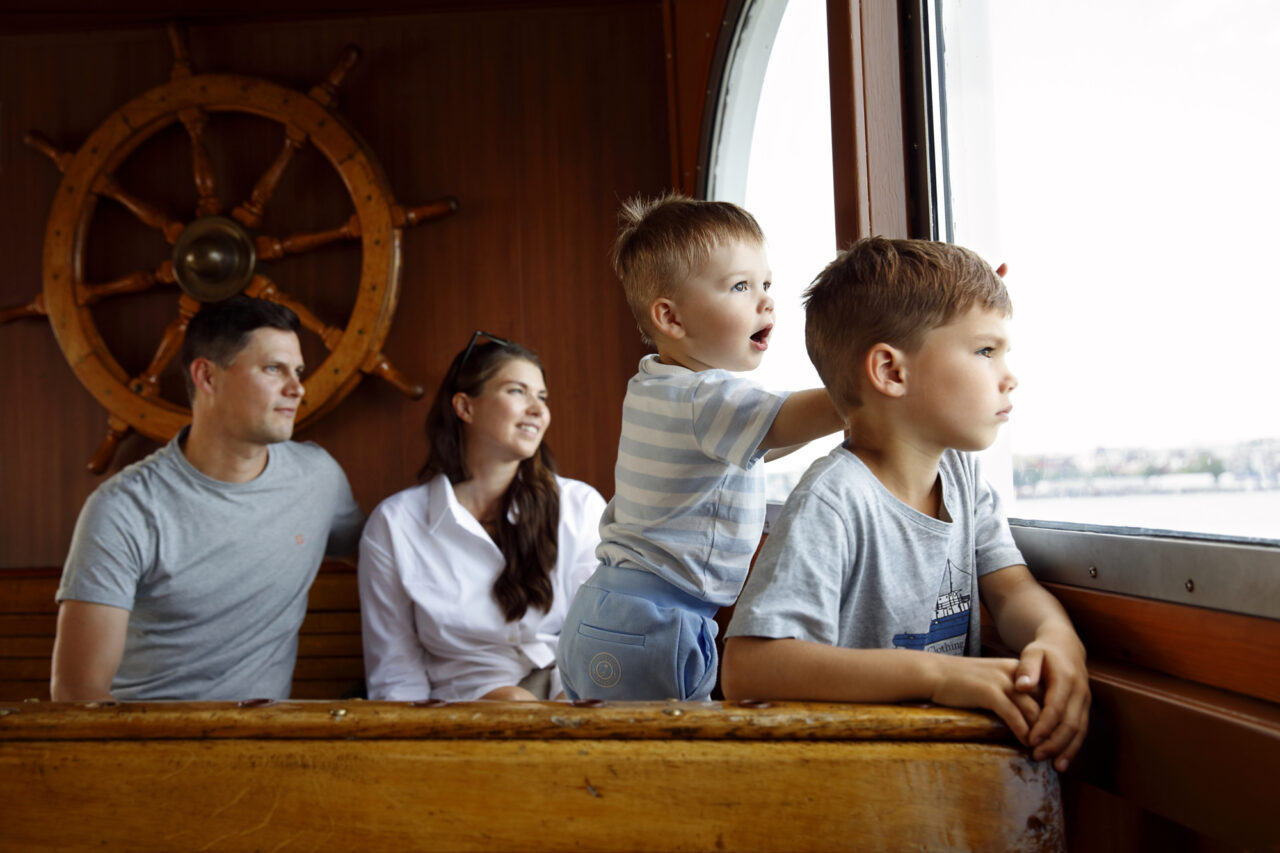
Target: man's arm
{"x":87,"y":650}
{"x":804,"y":416}
{"x":1052,"y":659}
{"x":762,"y":668}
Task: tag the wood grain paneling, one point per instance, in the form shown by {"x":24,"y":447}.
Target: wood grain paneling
{"x":866,"y":119}
{"x":330,"y":650}
{"x":1227,"y":650}
{"x":539,"y":119}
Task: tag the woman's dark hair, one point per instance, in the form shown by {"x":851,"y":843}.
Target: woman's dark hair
{"x":529,"y":514}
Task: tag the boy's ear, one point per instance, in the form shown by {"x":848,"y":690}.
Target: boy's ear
{"x":665,"y":318}
{"x":886,"y":370}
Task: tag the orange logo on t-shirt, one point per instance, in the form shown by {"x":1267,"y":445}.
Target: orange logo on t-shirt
{"x":299,"y":539}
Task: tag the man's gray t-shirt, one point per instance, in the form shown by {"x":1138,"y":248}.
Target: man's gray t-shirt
{"x":216,"y":574}
{"x":848,"y":564}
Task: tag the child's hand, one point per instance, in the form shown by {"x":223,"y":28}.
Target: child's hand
{"x":1053,"y":665}
{"x":964,"y":682}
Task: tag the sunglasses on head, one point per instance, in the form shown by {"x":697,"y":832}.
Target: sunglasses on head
{"x":466,"y":353}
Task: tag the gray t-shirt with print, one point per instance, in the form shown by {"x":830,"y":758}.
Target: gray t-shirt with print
{"x":215,"y":574}
{"x":848,"y":564}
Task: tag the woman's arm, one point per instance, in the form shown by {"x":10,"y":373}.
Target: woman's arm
{"x":394,"y":660}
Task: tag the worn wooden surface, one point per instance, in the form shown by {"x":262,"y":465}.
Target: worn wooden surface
{"x":50,"y":721}
{"x":513,"y":776}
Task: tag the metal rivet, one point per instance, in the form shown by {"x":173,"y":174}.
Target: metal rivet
{"x":338,"y":713}
{"x":1093,"y":571}
{"x":1191,"y":586}
{"x":673,"y":712}
{"x":4,"y":712}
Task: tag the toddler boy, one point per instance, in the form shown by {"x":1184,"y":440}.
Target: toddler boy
{"x":688,"y":508}
{"x":885,"y":547}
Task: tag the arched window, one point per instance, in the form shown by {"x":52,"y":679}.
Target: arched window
{"x":771,"y":153}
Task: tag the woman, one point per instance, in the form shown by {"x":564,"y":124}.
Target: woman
{"x":465,"y":579}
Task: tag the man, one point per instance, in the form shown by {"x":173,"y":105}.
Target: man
{"x":188,"y":572}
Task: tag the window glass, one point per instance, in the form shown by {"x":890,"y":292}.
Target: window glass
{"x":1120,"y":156}
{"x":773,"y":156}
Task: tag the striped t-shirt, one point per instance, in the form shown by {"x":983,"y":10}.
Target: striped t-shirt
{"x":689,"y":484}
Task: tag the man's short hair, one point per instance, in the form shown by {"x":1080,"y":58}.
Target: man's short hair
{"x":662,"y":242}
{"x":892,"y":292}
{"x":220,"y":330}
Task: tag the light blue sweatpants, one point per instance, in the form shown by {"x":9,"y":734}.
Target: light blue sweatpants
{"x":630,"y":635}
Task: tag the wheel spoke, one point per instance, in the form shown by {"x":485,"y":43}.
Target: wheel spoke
{"x":273,"y":248}
{"x":91,"y":294}
{"x":378,"y":365}
{"x":249,"y":214}
{"x":117,"y":429}
{"x":264,"y":288}
{"x":410,"y":216}
{"x":326,"y":91}
{"x":34,"y":308}
{"x":146,"y":384}
{"x":147,"y":213}
{"x":37,"y":140}
{"x":181,"y":56}
{"x":194,"y":120}
{"x":106,"y":185}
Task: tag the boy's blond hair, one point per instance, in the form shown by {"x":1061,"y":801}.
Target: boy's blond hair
{"x":664,"y":241}
{"x":892,"y":292}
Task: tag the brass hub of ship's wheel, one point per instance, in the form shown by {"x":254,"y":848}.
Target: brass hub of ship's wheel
{"x":217,"y":254}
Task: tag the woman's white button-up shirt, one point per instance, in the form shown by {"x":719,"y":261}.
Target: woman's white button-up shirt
{"x":431,"y":626}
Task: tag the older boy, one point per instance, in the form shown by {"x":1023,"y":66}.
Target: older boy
{"x":689,"y":504}
{"x":886,"y":545}
{"x":188,"y":571}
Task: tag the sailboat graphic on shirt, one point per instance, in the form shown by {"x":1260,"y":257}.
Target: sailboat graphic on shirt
{"x":949,"y":628}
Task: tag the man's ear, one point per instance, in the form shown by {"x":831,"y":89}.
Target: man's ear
{"x":886,"y":370}
{"x":202,"y":373}
{"x":462,"y":407}
{"x":665,"y":317}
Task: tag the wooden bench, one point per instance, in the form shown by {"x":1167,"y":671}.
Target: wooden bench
{"x":519,"y":776}
{"x":330,"y":660}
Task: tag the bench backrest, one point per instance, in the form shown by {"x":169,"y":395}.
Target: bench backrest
{"x":330,"y":659}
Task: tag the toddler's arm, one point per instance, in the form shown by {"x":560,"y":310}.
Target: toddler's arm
{"x":1052,"y":659}
{"x":762,"y":668}
{"x":804,"y":416}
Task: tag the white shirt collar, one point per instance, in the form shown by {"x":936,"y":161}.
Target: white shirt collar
{"x":650,"y":366}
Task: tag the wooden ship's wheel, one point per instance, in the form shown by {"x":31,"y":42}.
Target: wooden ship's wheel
{"x":215,"y":256}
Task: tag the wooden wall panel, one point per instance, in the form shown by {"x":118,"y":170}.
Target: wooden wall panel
{"x":698,"y":33}
{"x":539,"y":120}
{"x":867,"y":124}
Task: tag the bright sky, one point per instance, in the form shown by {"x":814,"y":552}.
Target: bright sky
{"x":1121,"y":157}
{"x":1127,"y":172}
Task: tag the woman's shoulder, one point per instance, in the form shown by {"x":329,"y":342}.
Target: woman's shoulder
{"x":411,"y":501}
{"x":580,"y":496}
